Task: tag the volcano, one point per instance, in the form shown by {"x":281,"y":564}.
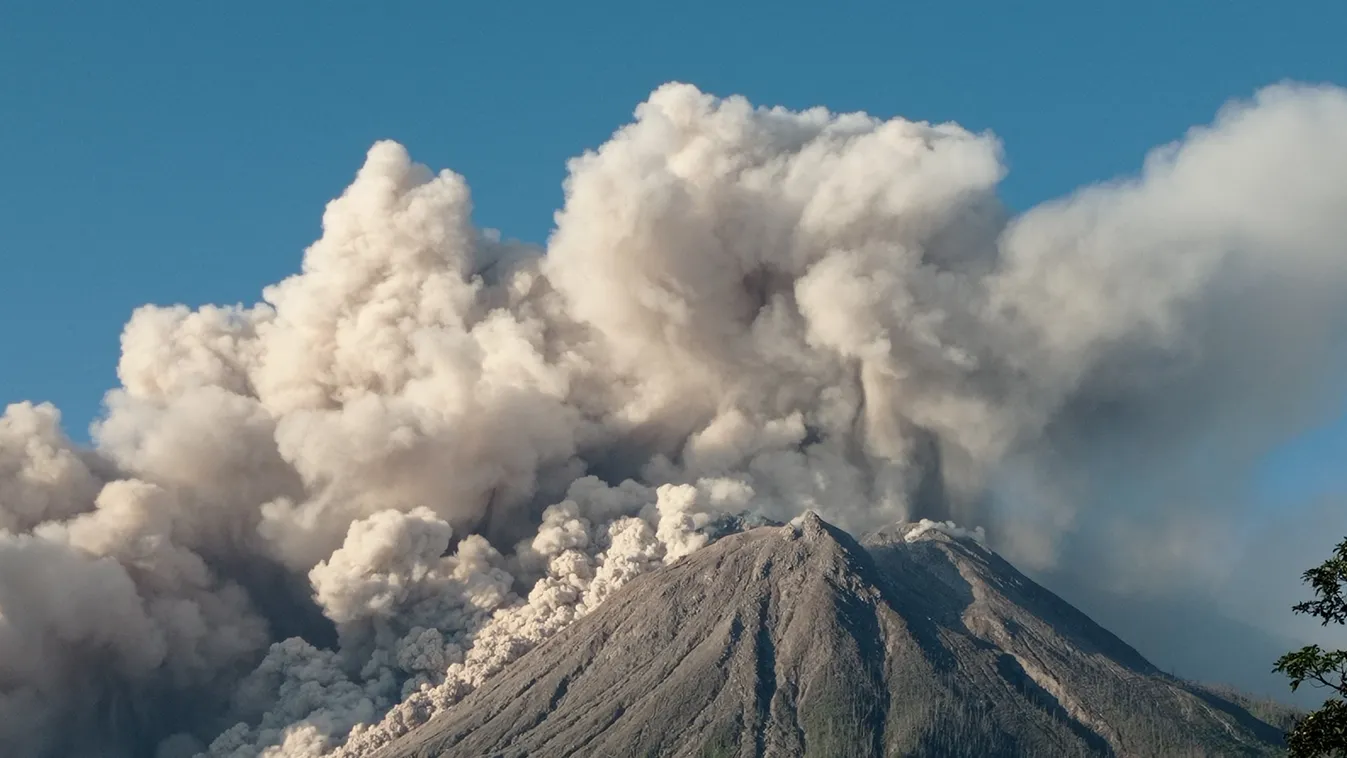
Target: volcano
{"x":801,"y":640}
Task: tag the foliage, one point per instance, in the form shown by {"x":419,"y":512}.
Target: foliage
{"x":1322,"y":732}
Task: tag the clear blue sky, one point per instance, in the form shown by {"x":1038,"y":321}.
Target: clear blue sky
{"x":182,"y":152}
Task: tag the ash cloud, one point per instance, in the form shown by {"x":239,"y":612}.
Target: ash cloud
{"x":308,"y":524}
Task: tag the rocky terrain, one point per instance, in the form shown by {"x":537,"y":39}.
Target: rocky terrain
{"x":801,"y":640}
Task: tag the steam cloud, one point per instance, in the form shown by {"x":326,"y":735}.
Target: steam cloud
{"x":307,"y":525}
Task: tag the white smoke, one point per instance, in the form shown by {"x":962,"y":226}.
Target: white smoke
{"x":947,"y":528}
{"x":310,"y":524}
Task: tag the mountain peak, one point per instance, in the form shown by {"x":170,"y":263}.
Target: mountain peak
{"x":798,"y":640}
{"x":926,"y":529}
{"x":810,"y":527}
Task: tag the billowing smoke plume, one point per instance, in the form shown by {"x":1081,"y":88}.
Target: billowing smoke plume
{"x":307,"y":525}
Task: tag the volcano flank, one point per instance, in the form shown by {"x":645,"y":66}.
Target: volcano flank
{"x":799,"y":640}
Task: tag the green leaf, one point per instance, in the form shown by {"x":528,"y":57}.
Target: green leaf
{"x":1323,"y":732}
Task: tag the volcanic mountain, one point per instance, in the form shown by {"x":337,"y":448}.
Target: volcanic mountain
{"x":800,"y":640}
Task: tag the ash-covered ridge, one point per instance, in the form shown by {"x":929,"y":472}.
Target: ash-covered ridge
{"x":801,"y":640}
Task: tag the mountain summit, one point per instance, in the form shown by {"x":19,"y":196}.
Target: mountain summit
{"x":801,"y":640}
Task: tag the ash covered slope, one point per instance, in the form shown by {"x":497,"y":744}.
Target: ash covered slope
{"x":799,"y":641}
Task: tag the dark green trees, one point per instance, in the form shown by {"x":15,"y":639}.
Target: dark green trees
{"x":1323,"y":732}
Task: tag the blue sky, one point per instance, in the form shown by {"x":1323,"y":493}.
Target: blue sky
{"x":183,"y":152}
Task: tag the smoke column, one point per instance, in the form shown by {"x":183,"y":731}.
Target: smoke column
{"x":307,"y":525}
